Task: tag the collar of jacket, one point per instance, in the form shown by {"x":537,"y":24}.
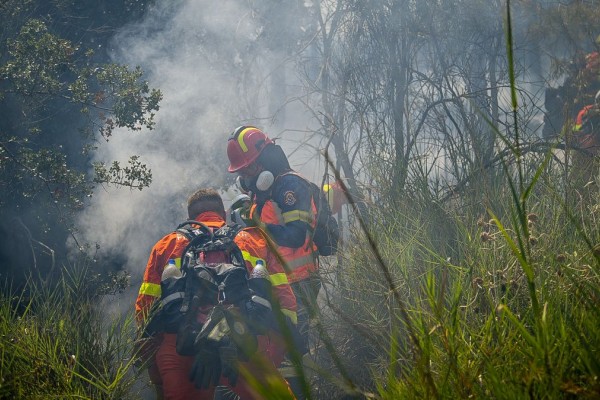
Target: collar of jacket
{"x":211,"y":219}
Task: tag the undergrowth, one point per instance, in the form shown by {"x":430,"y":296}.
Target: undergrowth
{"x":55,"y":342}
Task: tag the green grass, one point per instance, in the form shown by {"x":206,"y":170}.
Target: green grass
{"x":492,"y":294}
{"x":504,"y":304}
{"x":54,"y":343}
{"x":514,"y":315}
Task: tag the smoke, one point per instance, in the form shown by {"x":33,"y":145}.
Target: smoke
{"x":206,"y":58}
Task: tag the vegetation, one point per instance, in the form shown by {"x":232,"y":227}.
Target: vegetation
{"x":504,"y":306}
{"x":56,"y":343}
{"x":58,"y":90}
{"x":471,"y":258}
{"x":512,"y":315}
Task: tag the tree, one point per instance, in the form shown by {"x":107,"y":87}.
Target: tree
{"x":56,"y":96}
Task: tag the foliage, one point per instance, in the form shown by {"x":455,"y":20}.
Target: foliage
{"x":512,"y":313}
{"x":54,"y":342}
{"x":58,"y":91}
{"x":42,"y":67}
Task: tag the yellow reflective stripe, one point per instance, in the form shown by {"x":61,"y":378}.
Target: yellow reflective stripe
{"x":150,"y":289}
{"x":279,"y":279}
{"x":240,"y":139}
{"x":290,"y":314}
{"x":276,"y":279}
{"x":577,"y":127}
{"x":301,"y":261}
{"x":328,"y":189}
{"x":249,"y":257}
{"x":297,"y":215}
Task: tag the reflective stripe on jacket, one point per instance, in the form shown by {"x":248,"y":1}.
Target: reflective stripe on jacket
{"x":302,"y":261}
{"x":170,"y":246}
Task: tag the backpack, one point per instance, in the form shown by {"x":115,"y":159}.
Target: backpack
{"x":202,"y":284}
{"x":327,"y":232}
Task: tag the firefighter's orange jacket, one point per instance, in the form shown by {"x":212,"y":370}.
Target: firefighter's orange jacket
{"x":254,"y":247}
{"x":170,"y":246}
{"x":299,"y":262}
{"x":250,"y":241}
{"x":585,"y":139}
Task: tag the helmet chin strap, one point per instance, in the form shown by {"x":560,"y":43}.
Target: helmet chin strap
{"x":264,"y":181}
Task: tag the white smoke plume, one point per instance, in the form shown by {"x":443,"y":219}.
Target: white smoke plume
{"x":201,"y":55}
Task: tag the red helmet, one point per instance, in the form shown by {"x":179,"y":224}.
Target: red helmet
{"x":244,"y":146}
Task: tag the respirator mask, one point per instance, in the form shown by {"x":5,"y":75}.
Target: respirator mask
{"x":260,"y":183}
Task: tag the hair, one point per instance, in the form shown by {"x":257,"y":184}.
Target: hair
{"x":205,"y":200}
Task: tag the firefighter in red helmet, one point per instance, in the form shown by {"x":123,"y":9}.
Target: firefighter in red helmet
{"x":244,"y":147}
{"x":285,"y":210}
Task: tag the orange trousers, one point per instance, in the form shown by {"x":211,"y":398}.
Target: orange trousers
{"x":174,"y":370}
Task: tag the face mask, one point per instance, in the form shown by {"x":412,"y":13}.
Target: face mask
{"x":264,"y":181}
{"x":244,"y":184}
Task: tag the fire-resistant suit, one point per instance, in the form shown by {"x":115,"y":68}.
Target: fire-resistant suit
{"x":173,"y":369}
{"x":284,"y":206}
{"x":289,"y":217}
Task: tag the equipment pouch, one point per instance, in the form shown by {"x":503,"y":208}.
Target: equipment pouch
{"x":186,"y":336}
{"x":214,"y":329}
{"x":188,"y":330}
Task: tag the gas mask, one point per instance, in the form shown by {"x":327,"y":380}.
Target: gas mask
{"x":264,"y":181}
{"x":260,"y":183}
{"x":243,"y":185}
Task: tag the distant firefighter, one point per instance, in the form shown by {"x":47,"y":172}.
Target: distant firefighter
{"x":584,"y":139}
{"x":335,"y":196}
{"x":586,"y":132}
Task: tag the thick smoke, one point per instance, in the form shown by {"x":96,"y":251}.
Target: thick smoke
{"x":202,"y":55}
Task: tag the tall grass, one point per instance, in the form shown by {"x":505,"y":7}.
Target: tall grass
{"x":54,"y":342}
{"x":473,"y":298}
{"x":511,"y":312}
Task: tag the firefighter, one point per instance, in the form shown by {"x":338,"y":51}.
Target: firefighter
{"x":335,"y":196}
{"x":284,"y":209}
{"x":585,"y":139}
{"x":253,"y":244}
{"x":171,"y":371}
{"x":586,"y":132}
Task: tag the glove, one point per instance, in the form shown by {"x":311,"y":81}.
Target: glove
{"x":259,"y":315}
{"x":206,"y":370}
{"x":228,"y":356}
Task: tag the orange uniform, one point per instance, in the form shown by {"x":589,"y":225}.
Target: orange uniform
{"x":173,"y":369}
{"x":291,"y":204}
{"x":585,"y":138}
{"x":254,"y":248}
